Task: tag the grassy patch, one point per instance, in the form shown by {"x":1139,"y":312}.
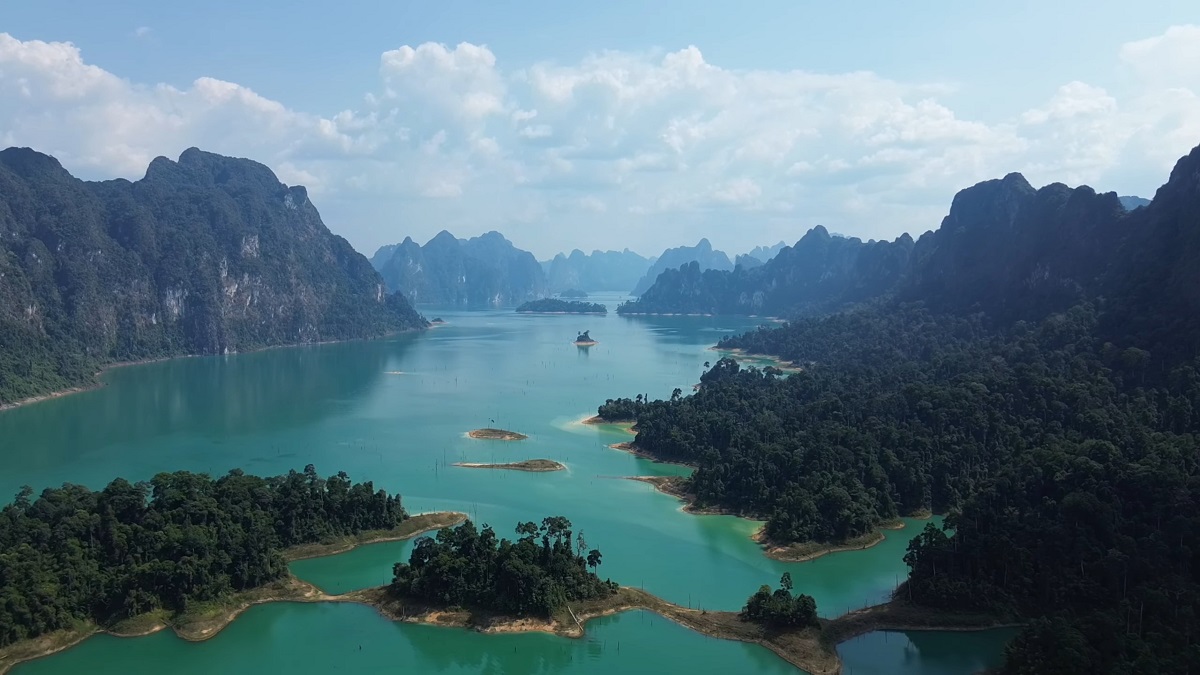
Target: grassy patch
{"x":43,"y":645}
{"x":409,"y":528}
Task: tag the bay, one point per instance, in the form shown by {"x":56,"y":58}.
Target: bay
{"x":396,"y":411}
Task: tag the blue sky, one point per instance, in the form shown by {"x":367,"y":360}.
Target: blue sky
{"x":614,"y":124}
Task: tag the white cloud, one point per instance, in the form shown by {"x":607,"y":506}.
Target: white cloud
{"x":737,"y":191}
{"x":142,"y":31}
{"x":677,"y":145}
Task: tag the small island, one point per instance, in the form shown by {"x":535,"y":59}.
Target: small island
{"x":573,"y":294}
{"x":438,"y":322}
{"x":491,"y":434}
{"x":585,"y":340}
{"x":534,"y":465}
{"x":555,"y":306}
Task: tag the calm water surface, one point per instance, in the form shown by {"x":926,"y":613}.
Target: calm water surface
{"x":396,"y":411}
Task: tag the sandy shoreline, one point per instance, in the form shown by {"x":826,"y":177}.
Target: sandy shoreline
{"x":628,"y":426}
{"x":491,"y":434}
{"x":205,"y":621}
{"x":812,"y":650}
{"x":785,"y":366}
{"x":97,"y":383}
{"x":563,"y":313}
{"x":531,"y":465}
{"x":795,"y":552}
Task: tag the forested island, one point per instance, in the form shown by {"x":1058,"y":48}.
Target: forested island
{"x":573,"y":294}
{"x":547,"y":567}
{"x":165,"y":546}
{"x":556,"y":306}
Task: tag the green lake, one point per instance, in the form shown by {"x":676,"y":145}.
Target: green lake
{"x":396,"y":411}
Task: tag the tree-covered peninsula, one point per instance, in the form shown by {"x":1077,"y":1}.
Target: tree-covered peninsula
{"x":547,"y":567}
{"x":556,"y":306}
{"x":75,"y":555}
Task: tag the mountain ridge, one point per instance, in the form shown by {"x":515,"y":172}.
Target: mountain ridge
{"x":483,"y":271}
{"x":204,"y":255}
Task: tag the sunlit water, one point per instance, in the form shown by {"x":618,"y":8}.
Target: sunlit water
{"x":396,"y":412}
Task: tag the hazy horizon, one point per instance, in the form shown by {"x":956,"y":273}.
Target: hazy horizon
{"x":617,"y":127}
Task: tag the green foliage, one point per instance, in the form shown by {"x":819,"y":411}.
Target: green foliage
{"x":75,"y":554}
{"x":1068,"y":466}
{"x":466,"y":567}
{"x":780,"y":608}
{"x":206,"y":255}
{"x":553,"y":305}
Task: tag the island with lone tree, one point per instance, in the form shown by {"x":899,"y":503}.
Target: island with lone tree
{"x":555,"y":306}
{"x":585,"y":340}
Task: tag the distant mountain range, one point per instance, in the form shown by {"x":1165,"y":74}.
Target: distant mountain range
{"x":1005,"y":248}
{"x":702,"y":254}
{"x":598,"y":271}
{"x":206,"y":255}
{"x":484,"y":271}
{"x":1131,"y":203}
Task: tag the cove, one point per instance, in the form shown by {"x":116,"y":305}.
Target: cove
{"x":396,"y":411}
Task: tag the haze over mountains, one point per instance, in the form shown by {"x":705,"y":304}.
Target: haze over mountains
{"x":597,"y":271}
{"x":484,"y":271}
{"x":490,"y":271}
{"x":206,"y":255}
{"x":1004,"y":247}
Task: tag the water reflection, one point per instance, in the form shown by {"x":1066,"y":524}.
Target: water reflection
{"x":216,"y":398}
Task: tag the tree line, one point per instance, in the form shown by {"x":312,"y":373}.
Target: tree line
{"x":74,"y":554}
{"x":1068,"y":464}
{"x":547,"y":567}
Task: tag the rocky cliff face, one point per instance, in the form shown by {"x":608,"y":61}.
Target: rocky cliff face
{"x":485,"y":271}
{"x":206,"y":255}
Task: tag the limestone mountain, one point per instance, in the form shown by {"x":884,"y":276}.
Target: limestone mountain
{"x":673,"y":258}
{"x":1130,"y":202}
{"x":206,"y":255}
{"x":1005,"y":249}
{"x":484,"y":271}
{"x":597,"y":271}
{"x":820,"y":272}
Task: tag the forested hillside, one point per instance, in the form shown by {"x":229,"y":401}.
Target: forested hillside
{"x":1045,"y":395}
{"x":1004,"y":248}
{"x":820,"y":273}
{"x":73,"y":554}
{"x":206,"y":255}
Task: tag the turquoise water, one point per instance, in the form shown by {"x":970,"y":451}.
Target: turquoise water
{"x":396,"y":411}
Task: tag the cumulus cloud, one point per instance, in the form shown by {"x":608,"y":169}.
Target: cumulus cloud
{"x":640,"y":149}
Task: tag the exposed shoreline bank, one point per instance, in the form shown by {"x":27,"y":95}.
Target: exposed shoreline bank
{"x":531,"y":465}
{"x":785,"y":366}
{"x":812,"y":650}
{"x":627,"y":426}
{"x":208,"y":619}
{"x":97,"y":383}
{"x":795,"y":552}
{"x":490,"y":434}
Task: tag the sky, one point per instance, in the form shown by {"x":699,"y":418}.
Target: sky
{"x":619,"y":124}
